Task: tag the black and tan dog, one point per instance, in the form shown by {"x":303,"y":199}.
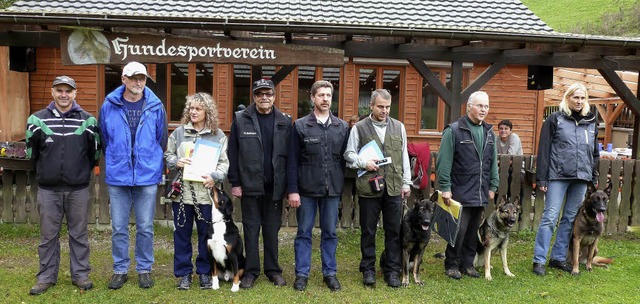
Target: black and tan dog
{"x":587,"y":228}
{"x":494,"y":233}
{"x":224,"y":242}
{"x":414,"y":236}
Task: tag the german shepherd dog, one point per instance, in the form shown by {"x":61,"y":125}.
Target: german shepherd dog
{"x":494,"y":233}
{"x":414,"y":236}
{"x":224,"y":242}
{"x":587,"y":228}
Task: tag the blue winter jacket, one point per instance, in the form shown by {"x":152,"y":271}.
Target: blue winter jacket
{"x":142,"y":164}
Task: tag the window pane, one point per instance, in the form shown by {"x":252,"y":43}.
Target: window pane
{"x":306,"y":77}
{"x":204,"y":77}
{"x":333,"y":75}
{"x":391,"y":82}
{"x":179,"y":87}
{"x":367,"y":85}
{"x":241,"y":85}
{"x":429,"y":107}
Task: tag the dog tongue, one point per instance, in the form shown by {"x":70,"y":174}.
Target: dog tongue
{"x":600,"y":217}
{"x":425,"y":227}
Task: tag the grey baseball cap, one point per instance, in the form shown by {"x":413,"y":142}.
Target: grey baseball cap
{"x":64,"y":80}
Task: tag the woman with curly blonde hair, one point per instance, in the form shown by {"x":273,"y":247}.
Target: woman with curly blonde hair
{"x":199,"y":121}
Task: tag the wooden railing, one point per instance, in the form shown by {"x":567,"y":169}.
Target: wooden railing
{"x":18,"y":200}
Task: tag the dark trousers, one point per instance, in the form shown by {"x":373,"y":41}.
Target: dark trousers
{"x":182,"y":249}
{"x":462,"y":255}
{"x":261,"y":212}
{"x":391,"y":207}
{"x":53,"y":205}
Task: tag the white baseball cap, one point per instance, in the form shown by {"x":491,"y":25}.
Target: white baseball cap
{"x":135,"y":68}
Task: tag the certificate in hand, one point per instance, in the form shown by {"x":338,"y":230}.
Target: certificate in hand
{"x":371,"y":151}
{"x":203,"y":161}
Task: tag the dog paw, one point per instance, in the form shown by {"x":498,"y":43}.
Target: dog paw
{"x":488,"y":277}
{"x":508,"y":273}
{"x":235,"y":287}
{"x":419,"y":283}
{"x":575,"y":273}
{"x":589,"y":269}
{"x":215,"y":284}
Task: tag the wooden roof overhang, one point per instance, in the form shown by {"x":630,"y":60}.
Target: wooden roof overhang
{"x":457,"y":46}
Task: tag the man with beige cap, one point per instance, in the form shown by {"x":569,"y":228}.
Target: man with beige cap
{"x":133,"y":123}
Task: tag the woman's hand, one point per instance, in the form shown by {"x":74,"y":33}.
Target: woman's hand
{"x":208,"y":181}
{"x":183,"y":161}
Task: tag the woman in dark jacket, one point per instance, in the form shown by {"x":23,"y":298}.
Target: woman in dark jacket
{"x":567,"y":160}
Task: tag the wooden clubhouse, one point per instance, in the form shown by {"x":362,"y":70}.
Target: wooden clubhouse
{"x":431,"y":55}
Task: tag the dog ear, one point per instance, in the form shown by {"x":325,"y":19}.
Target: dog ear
{"x":516,"y":201}
{"x":502,"y":201}
{"x":434,"y":196}
{"x":607,"y":190}
{"x":591,"y":188}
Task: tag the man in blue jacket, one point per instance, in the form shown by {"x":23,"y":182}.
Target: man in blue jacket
{"x":134,"y":130}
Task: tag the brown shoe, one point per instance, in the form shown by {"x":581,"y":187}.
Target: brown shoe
{"x":40,"y":288}
{"x":453,"y":273}
{"x":277,"y":280}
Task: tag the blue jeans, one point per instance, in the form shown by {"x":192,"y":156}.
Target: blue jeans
{"x":556,"y":191}
{"x":143,"y":199}
{"x":306,"y":215}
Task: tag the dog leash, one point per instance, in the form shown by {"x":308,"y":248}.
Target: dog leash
{"x":196,"y":207}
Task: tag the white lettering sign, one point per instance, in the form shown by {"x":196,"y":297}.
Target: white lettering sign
{"x":122,"y":48}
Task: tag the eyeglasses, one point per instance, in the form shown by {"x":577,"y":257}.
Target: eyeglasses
{"x":259,"y":95}
{"x":481,"y":107}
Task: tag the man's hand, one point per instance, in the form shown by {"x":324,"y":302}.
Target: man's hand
{"x":491,"y":195}
{"x":446,"y":196}
{"x":543,"y":189}
{"x":406,"y":192}
{"x":294,"y":200}
{"x":236,"y":191}
{"x":371,"y":165}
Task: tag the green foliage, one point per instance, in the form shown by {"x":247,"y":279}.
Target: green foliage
{"x":596,"y":17}
{"x":617,"y":284}
{"x":6,"y":3}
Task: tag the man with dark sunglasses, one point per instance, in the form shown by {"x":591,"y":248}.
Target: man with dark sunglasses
{"x":258,"y":150}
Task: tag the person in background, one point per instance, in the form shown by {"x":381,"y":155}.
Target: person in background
{"x":567,"y":161}
{"x":258,"y":150}
{"x":509,"y":142}
{"x":315,"y":172}
{"x":199,"y":121}
{"x":391,"y":138}
{"x":133,"y":123}
{"x":64,"y":143}
{"x":467,"y":171}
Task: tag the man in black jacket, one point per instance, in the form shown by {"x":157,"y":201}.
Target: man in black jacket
{"x":258,"y":149}
{"x":467,"y":171}
{"x":316,"y":179}
{"x":64,"y":143}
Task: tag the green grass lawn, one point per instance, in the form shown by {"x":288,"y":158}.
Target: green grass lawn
{"x":617,"y":284}
{"x":562,"y":15}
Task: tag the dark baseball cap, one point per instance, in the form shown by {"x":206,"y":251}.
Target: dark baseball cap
{"x":64,"y":80}
{"x":263,"y":84}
